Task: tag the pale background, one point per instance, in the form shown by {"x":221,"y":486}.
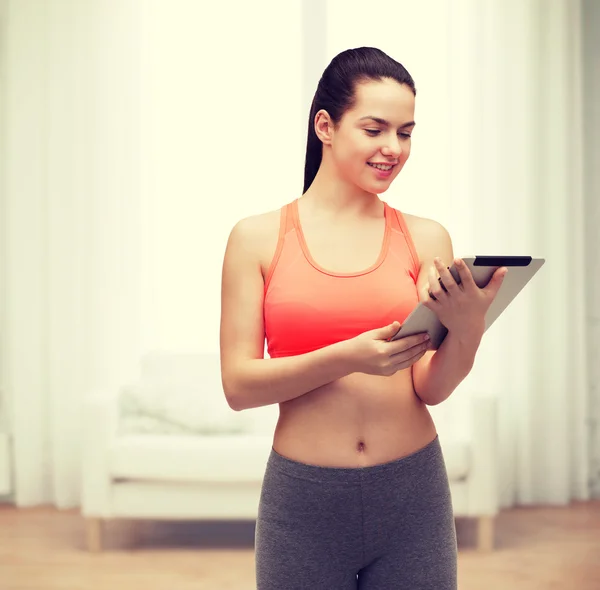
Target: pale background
{"x":135,"y":133}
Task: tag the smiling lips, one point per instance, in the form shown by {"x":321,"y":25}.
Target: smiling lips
{"x":381,"y":166}
{"x":382,"y":170}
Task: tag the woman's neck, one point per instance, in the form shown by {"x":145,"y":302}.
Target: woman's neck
{"x":334,"y":193}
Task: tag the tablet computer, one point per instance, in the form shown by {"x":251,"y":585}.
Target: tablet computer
{"x":520,"y":271}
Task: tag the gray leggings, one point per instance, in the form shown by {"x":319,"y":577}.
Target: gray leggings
{"x":385,"y":527}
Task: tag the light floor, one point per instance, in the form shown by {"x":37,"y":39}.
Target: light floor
{"x":43,"y":549}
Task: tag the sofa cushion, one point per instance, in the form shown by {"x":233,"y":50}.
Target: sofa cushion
{"x":176,"y":408}
{"x":223,"y":457}
{"x":234,"y":457}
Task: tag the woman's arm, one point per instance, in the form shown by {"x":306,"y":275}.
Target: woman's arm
{"x":440,"y":372}
{"x":249,"y":380}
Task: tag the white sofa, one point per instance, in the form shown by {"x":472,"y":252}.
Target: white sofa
{"x":187,"y":456}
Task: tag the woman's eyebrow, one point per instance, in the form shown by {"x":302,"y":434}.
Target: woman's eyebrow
{"x":384,"y":122}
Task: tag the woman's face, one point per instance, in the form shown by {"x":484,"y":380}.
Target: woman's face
{"x":376,"y":130}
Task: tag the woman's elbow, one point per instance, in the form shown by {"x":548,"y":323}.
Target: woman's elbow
{"x":231,"y":391}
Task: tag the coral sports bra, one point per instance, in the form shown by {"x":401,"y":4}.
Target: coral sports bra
{"x":307,"y":307}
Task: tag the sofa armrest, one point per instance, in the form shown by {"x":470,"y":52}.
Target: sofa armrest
{"x":100,"y":422}
{"x":482,"y":483}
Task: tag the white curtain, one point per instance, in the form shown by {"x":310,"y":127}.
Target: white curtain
{"x":138,"y":132}
{"x":71,"y":230}
{"x":591,"y":92}
{"x":497,"y":159}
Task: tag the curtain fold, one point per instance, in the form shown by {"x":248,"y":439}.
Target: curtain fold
{"x":591,"y":156}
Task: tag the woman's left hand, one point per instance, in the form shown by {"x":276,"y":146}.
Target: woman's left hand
{"x":461,"y":307}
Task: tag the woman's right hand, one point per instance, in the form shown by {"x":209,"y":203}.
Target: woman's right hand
{"x":372,"y":352}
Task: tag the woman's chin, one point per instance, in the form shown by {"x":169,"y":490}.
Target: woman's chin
{"x":376,"y":187}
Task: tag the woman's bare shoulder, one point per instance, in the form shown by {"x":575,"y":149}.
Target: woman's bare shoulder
{"x":423,"y":225}
{"x":259,"y":222}
{"x":260,"y":233}
{"x":425,"y":233}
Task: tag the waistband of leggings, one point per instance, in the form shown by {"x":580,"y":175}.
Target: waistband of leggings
{"x":402,"y":466}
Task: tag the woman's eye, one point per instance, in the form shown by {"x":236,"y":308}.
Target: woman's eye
{"x":374,"y":132}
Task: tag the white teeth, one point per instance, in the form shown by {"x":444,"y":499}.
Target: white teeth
{"x":380,"y":166}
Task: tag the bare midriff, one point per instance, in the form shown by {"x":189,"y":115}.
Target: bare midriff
{"x":357,"y":421}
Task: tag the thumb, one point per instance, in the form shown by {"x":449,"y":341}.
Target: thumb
{"x":390,"y":330}
{"x":496,"y":282}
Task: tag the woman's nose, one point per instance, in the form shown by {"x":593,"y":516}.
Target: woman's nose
{"x":393,"y":148}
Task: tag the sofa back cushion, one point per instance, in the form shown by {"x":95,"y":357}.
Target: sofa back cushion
{"x":181,"y":392}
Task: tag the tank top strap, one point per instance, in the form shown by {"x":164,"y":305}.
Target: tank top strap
{"x":394,"y":221}
{"x":286,"y":224}
{"x":287,"y":219}
{"x":399,"y":224}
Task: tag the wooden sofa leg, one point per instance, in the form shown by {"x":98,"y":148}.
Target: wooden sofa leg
{"x":93,"y":527}
{"x":485,"y":533}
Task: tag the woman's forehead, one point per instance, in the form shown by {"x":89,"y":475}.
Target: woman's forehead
{"x":386,"y":99}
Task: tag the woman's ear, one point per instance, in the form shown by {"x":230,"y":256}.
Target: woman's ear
{"x":324,"y":126}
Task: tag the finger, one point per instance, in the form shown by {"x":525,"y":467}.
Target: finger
{"x":448,"y":283}
{"x":431,"y":304}
{"x":424,"y":293}
{"x":410,"y":352}
{"x":402,"y":344}
{"x":495,"y":282}
{"x":427,"y":298}
{"x":466,"y":278}
{"x":407,"y":362}
{"x":435,"y":289}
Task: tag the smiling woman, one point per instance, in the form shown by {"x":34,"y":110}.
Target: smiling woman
{"x":356,"y":493}
{"x":373,"y":114}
